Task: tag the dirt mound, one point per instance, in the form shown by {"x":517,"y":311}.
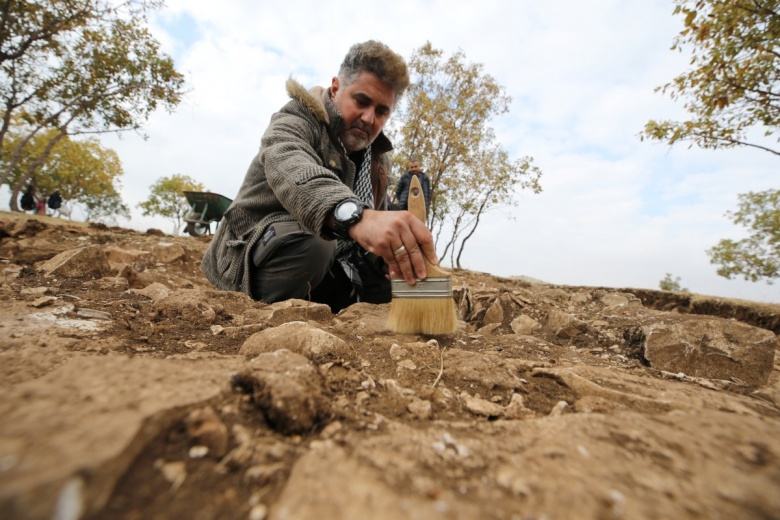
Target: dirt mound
{"x":132,"y":389}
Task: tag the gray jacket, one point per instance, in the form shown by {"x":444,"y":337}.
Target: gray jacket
{"x":300,"y":173}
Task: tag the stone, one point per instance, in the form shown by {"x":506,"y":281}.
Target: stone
{"x":714,"y":348}
{"x":118,"y":283}
{"x":84,"y":262}
{"x":516,"y":408}
{"x":102,"y":436}
{"x":205,"y":428}
{"x":494,"y":314}
{"x":420,"y":408}
{"x":295,"y":336}
{"x":167,"y":252}
{"x":564,"y":325}
{"x":154,"y":291}
{"x":525,"y":325}
{"x":484,"y":369}
{"x":287,"y":389}
{"x":479,"y":406}
{"x":296,"y":310}
{"x":118,"y":255}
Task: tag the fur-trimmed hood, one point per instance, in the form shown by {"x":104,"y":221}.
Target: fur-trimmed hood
{"x":312,"y":98}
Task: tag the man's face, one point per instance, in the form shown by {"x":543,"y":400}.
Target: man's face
{"x":414,"y":167}
{"x":365,"y":106}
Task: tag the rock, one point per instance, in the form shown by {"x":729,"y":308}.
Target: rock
{"x":364,"y":318}
{"x":93,"y":314}
{"x":43,"y":301}
{"x":480,"y":406}
{"x":102,"y":435}
{"x":297,"y":337}
{"x":500,"y":311}
{"x":525,"y":325}
{"x":420,"y":408}
{"x":295,"y":310}
{"x":35,"y":291}
{"x":486,"y":370}
{"x":83,"y":262}
{"x":118,"y":255}
{"x":626,"y":299}
{"x":516,"y":408}
{"x":154,"y":291}
{"x":462,"y":297}
{"x":564,"y":325}
{"x":205,"y":428}
{"x":494,"y":314}
{"x":167,"y":252}
{"x":709,"y":347}
{"x":287,"y":389}
{"x":173,"y":472}
{"x":117,"y":283}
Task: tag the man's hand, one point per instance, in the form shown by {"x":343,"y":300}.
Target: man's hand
{"x":384,"y":232}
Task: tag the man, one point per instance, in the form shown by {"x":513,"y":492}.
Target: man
{"x":309,"y":220}
{"x":402,"y":190}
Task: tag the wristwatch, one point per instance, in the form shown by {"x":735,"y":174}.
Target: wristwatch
{"x":348,"y":212}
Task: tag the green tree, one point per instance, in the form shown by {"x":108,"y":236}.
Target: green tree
{"x":734,"y":81}
{"x":73,"y":67}
{"x":85,"y":173}
{"x":671,"y":284}
{"x":166,"y":199}
{"x":756,"y":257}
{"x":731,"y":89}
{"x":444,"y":122}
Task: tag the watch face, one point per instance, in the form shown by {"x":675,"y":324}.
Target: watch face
{"x":345,"y":210}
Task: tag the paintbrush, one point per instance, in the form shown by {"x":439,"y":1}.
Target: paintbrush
{"x":426,"y":307}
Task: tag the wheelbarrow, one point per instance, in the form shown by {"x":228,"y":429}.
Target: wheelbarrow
{"x":205,"y":208}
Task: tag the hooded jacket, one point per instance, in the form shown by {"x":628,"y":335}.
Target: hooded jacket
{"x":300,"y":173}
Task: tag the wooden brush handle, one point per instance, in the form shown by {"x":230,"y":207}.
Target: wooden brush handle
{"x":417,"y":208}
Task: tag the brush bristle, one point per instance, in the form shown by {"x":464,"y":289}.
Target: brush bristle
{"x":422,"y":316}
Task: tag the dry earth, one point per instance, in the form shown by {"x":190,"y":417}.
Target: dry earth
{"x":129,"y":388}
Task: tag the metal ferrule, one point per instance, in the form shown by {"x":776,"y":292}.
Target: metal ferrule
{"x":428,"y":288}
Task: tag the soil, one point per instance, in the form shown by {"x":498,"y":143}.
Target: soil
{"x":134,"y":395}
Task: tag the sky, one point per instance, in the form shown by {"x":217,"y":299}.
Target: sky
{"x":615,"y":211}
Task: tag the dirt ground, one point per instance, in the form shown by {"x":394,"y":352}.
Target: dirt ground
{"x":130,"y":388}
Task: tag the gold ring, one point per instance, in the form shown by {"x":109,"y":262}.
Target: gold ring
{"x":399,"y":250}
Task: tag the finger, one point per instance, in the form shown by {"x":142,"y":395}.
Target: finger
{"x":405,"y":266}
{"x":424,"y":240}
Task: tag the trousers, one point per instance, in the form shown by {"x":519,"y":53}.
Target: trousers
{"x":289,"y":262}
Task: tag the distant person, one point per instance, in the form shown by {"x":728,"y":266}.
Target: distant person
{"x":309,"y":220}
{"x":27,"y":202}
{"x":402,"y":190}
{"x":55,"y":200}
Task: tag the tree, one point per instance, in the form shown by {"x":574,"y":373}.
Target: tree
{"x":756,"y":257}
{"x":732,"y":88}
{"x":85,"y":173}
{"x":74,"y":67}
{"x":166,"y":199}
{"x":444,"y":123}
{"x":671,"y":284}
{"x":734,"y":82}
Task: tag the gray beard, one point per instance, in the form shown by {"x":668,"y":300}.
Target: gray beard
{"x":350,"y":142}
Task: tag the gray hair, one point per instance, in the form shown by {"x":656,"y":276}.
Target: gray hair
{"x":375,"y":57}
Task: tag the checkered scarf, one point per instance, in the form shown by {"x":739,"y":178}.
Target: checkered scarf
{"x":349,"y":254}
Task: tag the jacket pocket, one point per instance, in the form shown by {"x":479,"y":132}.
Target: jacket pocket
{"x":231,"y":259}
